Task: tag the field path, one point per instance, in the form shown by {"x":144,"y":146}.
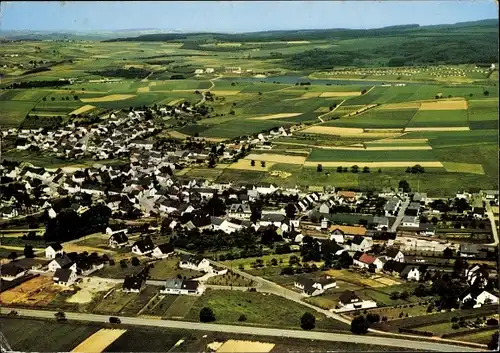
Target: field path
{"x":203,"y":97}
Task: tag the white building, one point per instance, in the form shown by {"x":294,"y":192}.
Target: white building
{"x":52,"y":250}
{"x":182,"y":287}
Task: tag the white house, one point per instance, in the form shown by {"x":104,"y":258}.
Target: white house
{"x":163,"y":250}
{"x":366,"y":260}
{"x":359,"y":243}
{"x":65,"y":277}
{"x":312,"y":287}
{"x":11,"y":272}
{"x":411,"y":273}
{"x":143,"y":247}
{"x":132,"y":284}
{"x":52,"y":250}
{"x":182,"y":287}
{"x":118,"y":239}
{"x":349,"y":301}
{"x":195,"y":263}
{"x":62,"y":261}
{"x":393,"y":253}
{"x":338,"y":236}
{"x":265,"y":189}
{"x":240,"y":211}
{"x":410,"y":222}
{"x":482,"y":299}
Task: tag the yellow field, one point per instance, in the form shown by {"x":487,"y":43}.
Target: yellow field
{"x":412,"y":105}
{"x":276,"y":116}
{"x":298,"y":42}
{"x":38,"y":291}
{"x":374,"y":164}
{"x":339,"y":94}
{"x":99,"y":341}
{"x":401,"y":141}
{"x":72,"y":247}
{"x":234,"y":346}
{"x":225,"y":92}
{"x":463,"y":167}
{"x":462,"y":128}
{"x":83,"y":109}
{"x":110,"y":98}
{"x":387,"y":281}
{"x":444,"y":105}
{"x":143,"y":89}
{"x":244,"y":164}
{"x":176,"y":134}
{"x":276,"y":158}
{"x":310,"y":95}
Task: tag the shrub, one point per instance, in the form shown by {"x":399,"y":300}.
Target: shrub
{"x":207,"y":315}
{"x":242,"y":318}
{"x":359,"y":325}
{"x":308,"y":321}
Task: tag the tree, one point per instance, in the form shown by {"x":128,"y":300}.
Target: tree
{"x":242,"y":317}
{"x":359,"y":325}
{"x":366,"y":170}
{"x":339,"y":169}
{"x":373,"y":318}
{"x":60,"y":316}
{"x":12,"y":256}
{"x":263,"y":164}
{"x":319,"y":168}
{"x":394,"y":295}
{"x":403,"y":184}
{"x":363,"y":91}
{"x":290,"y":210}
{"x":123,"y":263}
{"x":211,"y":162}
{"x":448,"y":253}
{"x":493,"y":345}
{"x":207,"y":315}
{"x":75,"y":97}
{"x":354,"y":169}
{"x":252,"y":163}
{"x":274,"y":262}
{"x":404,"y":295}
{"x":135,"y":261}
{"x":372,"y":268}
{"x":28,"y":252}
{"x":486,"y":93}
{"x":307,"y":321}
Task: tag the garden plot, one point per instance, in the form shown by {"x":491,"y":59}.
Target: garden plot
{"x":38,"y":291}
{"x":88,"y":288}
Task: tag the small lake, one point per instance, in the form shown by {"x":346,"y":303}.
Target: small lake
{"x":291,"y":80}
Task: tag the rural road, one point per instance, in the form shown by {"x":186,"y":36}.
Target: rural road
{"x":401,"y":214}
{"x":203,"y":97}
{"x":494,"y":228}
{"x":260,"y":331}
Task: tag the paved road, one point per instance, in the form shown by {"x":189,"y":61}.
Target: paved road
{"x":260,"y":331}
{"x":494,"y":228}
{"x":401,"y":214}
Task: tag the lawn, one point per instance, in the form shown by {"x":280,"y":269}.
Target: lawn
{"x":483,"y":337}
{"x":31,"y":335}
{"x":260,"y":309}
{"x":246,"y":262}
{"x":240,"y":176}
{"x":439,"y":118}
{"x":205,"y":173}
{"x":168,"y":268}
{"x":231,"y":279}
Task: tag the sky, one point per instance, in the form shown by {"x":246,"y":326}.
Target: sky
{"x":236,"y":16}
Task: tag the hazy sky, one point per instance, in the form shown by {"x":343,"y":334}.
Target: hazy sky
{"x":237,"y":16}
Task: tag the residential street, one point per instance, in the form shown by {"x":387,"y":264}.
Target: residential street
{"x":311,"y":335}
{"x":494,"y":228}
{"x":400,"y":215}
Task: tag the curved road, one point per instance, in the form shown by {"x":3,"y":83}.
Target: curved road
{"x":203,"y":97}
{"x":260,"y":331}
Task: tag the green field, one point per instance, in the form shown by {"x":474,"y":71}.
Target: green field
{"x":260,"y":310}
{"x":318,"y":155}
{"x":376,"y":119}
{"x":444,"y":118}
{"x":14,"y":112}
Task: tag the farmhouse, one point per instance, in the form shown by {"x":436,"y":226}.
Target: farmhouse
{"x":183,"y":287}
{"x":64,"y":277}
{"x":411,"y":273}
{"x":312,"y":287}
{"x":11,"y":271}
{"x":163,"y":250}
{"x":143,"y":247}
{"x":52,"y":250}
{"x":393,"y":253}
{"x":338,"y":236}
